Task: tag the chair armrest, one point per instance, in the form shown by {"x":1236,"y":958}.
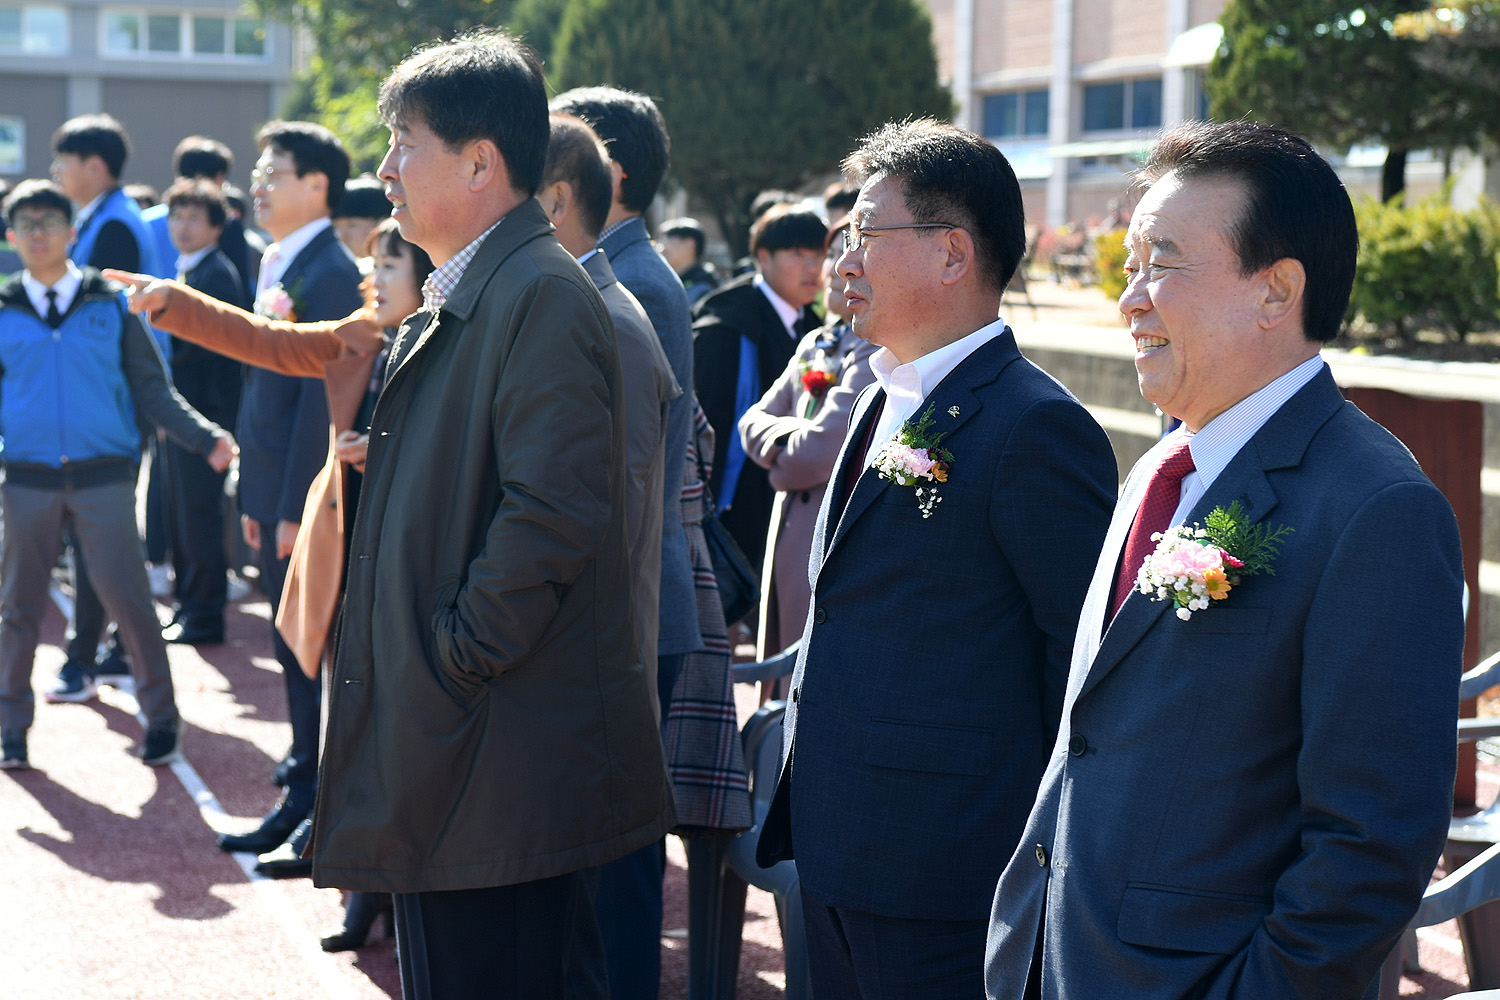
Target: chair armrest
{"x":1473,"y":885}
{"x":1470,"y":730}
{"x":769,"y":669}
{"x":1480,"y":679}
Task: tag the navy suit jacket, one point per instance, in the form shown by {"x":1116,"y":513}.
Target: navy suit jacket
{"x":283,"y":424}
{"x":931,"y":674}
{"x":209,"y":380}
{"x":1249,"y":804}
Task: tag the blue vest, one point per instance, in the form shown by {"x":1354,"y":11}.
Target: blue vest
{"x":64,"y":396}
{"x":116,"y":206}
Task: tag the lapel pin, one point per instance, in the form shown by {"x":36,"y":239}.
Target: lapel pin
{"x":952,"y":411}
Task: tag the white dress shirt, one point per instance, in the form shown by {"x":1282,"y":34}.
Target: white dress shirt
{"x":279,"y":255}
{"x":788,"y":313}
{"x":906,"y":385}
{"x":1221,"y":438}
{"x":66,"y":288}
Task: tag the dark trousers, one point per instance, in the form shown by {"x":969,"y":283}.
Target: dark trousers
{"x":628,"y":907}
{"x":303,"y":694}
{"x":195,"y":533}
{"x":87,"y":626}
{"x":509,"y":942}
{"x":866,"y":956}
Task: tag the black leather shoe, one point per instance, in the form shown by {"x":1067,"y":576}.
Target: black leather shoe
{"x":194,"y":633}
{"x":287,"y":860}
{"x":359,"y":915}
{"x":273,"y":830}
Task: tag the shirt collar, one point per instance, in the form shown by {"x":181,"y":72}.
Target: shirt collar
{"x":187,"y":261}
{"x":586,"y":256}
{"x":611,"y":230}
{"x":66,"y":288}
{"x":294,"y":243}
{"x":915,"y":379}
{"x":1221,"y":438}
{"x":784,"y":309}
{"x":441,"y":282}
{"x":87,"y":212}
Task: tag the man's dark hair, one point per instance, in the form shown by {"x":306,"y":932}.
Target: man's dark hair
{"x":207,"y":195}
{"x":94,"y":135}
{"x":769,"y":199}
{"x":313,"y":149}
{"x":36,"y":193}
{"x":143,"y":195}
{"x":364,"y":198}
{"x":685,"y":229}
{"x":788,"y":227}
{"x":839,"y":198}
{"x":481,"y":85}
{"x":949,"y":174}
{"x":238,"y":203}
{"x":386,"y":239}
{"x":576,"y":155}
{"x":1295,"y":206}
{"x":199,"y":156}
{"x":634,"y":133}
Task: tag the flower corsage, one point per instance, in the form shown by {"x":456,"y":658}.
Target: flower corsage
{"x":277,"y":303}
{"x":914,"y":456}
{"x":818,"y":374}
{"x":1194,"y":565}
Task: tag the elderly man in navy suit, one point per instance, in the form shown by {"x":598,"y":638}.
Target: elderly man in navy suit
{"x":949,"y":562}
{"x":1216,"y":820}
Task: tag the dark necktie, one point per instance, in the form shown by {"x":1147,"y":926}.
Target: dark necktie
{"x":856,"y":459}
{"x":1162,"y":496}
{"x":54,"y":317}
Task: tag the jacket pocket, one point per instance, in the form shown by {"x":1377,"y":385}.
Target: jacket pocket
{"x":464,"y":688}
{"x":1160,"y":916}
{"x":925,"y":746}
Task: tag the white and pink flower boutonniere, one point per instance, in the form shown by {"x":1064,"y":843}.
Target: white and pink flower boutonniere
{"x":914,"y":456}
{"x":277,"y":303}
{"x":1195,"y":565}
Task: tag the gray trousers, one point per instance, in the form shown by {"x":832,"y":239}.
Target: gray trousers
{"x":103,"y":519}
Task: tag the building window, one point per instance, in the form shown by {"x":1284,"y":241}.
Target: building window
{"x":12,"y":144}
{"x":37,"y":28}
{"x":1111,"y":107}
{"x":1016,"y":113}
{"x":183,"y":36}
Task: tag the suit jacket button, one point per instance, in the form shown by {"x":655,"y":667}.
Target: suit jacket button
{"x":819,"y":616}
{"x":796,"y":693}
{"x":1077,"y":746}
{"x":1041,"y":855}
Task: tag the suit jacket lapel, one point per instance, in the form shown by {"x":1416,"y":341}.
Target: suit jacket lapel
{"x":859,"y":428}
{"x":1279,"y":444}
{"x":299,"y":263}
{"x":954,"y":404}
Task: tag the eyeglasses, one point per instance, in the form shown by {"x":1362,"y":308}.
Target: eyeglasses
{"x":854,"y":236}
{"x":264,"y":178}
{"x":52,"y":225}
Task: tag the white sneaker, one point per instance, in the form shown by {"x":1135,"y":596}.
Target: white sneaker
{"x":238,"y":587}
{"x":160,"y":576}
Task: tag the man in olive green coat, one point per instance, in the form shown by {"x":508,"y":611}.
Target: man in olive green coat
{"x":490,"y":728}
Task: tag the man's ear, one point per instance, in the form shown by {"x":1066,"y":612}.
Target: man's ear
{"x":617,"y":178}
{"x":1281,"y":294}
{"x":960,"y":252}
{"x":486,"y":165}
{"x":556,"y":199}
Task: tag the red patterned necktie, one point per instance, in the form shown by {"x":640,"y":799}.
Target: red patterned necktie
{"x":1162,"y":495}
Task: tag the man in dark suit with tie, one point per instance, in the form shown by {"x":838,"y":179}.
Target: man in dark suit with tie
{"x":306,"y":276}
{"x":1253,"y":777}
{"x":945,"y":585}
{"x":197,"y":212}
{"x":743,"y":335}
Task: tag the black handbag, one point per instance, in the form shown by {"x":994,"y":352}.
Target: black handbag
{"x":739,"y":584}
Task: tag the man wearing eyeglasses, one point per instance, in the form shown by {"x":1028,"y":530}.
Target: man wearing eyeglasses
{"x":950,"y":559}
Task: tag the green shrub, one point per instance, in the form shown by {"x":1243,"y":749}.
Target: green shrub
{"x":1109,"y":262}
{"x":1428,"y":266}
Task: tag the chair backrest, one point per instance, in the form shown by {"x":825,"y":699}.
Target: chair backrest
{"x":762,"y":741}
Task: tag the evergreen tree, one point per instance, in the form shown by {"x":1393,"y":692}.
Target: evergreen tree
{"x":756,"y":93}
{"x":1344,"y":72}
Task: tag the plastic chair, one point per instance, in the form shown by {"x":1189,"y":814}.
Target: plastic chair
{"x":716,"y":904}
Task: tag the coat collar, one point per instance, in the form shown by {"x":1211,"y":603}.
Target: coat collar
{"x":1280,"y":444}
{"x":958,"y":390}
{"x":526,"y":222}
{"x":599,"y":271}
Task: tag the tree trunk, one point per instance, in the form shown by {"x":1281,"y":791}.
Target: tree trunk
{"x":1393,"y":174}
